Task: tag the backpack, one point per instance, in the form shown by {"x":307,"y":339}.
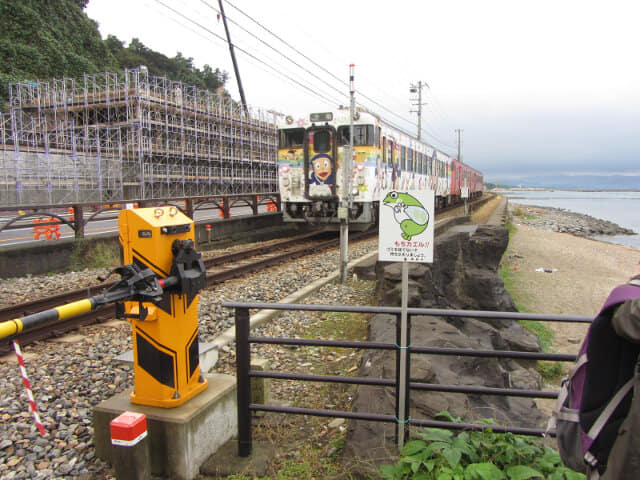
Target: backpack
{"x":574,"y":443}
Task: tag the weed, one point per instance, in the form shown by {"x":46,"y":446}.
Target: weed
{"x":550,"y":371}
{"x":440,"y":454}
{"x":98,"y":254}
{"x":524,"y":214}
{"x":482,"y":214}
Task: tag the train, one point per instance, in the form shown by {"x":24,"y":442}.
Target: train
{"x":311,"y":153}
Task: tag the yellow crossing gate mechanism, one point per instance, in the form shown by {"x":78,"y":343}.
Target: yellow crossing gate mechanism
{"x":164,"y":327}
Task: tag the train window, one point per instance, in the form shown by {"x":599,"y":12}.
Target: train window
{"x":362,"y":135}
{"x":291,"y":138}
{"x":322,"y":141}
{"x":403,"y":158}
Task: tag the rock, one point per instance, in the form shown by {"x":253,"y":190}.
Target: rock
{"x":337,"y":423}
{"x":564,"y":221}
{"x":464,"y":275}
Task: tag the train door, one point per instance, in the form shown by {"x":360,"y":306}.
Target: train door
{"x":320,"y":162}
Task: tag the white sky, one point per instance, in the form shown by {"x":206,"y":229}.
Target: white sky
{"x":550,"y":85}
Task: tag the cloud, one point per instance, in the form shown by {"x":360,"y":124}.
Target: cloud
{"x":543,"y":140}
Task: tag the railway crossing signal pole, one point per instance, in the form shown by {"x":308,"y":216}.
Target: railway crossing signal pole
{"x":345,"y":200}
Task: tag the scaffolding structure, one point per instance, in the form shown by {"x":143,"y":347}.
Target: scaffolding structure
{"x":116,"y":137}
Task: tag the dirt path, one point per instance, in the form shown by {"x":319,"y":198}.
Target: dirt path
{"x":583,"y":273}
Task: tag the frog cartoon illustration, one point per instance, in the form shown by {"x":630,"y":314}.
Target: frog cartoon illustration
{"x":410,"y":214}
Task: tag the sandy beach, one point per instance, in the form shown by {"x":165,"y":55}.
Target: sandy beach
{"x":583,"y":273}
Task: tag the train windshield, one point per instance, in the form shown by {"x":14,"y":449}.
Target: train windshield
{"x":292,"y":138}
{"x":362,"y":135}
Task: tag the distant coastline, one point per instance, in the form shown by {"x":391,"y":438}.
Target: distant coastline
{"x":619,"y":207}
{"x":534,"y":189}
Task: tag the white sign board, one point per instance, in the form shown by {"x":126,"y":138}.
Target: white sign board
{"x":464,"y":192}
{"x":406,"y":226}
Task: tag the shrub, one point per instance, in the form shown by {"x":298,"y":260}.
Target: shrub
{"x":440,"y":454}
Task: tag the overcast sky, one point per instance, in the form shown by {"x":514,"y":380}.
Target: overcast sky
{"x":544,"y":86}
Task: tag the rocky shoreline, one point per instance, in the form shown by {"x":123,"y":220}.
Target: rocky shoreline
{"x":565,"y":221}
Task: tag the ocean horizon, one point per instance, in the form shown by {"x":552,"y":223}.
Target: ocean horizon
{"x":620,"y":207}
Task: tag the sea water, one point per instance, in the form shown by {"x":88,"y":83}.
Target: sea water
{"x":622,"y":208}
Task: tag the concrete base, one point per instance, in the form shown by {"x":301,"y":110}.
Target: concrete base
{"x":182,"y":438}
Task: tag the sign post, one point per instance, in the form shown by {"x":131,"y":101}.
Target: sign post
{"x":405,"y":235}
{"x":464,"y":193}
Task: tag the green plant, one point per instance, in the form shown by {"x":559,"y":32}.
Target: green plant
{"x":440,"y":454}
{"x":522,"y":213}
{"x":94,"y":255}
{"x":550,"y":371}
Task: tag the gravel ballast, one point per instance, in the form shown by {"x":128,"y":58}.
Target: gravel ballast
{"x":73,"y":374}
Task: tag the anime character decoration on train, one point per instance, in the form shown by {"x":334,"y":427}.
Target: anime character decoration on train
{"x":321,"y":175}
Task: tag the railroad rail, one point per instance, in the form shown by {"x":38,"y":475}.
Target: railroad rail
{"x":220,"y":268}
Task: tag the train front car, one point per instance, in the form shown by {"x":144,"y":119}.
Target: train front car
{"x":311,"y":156}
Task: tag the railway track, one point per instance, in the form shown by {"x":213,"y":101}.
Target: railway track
{"x":219,"y":268}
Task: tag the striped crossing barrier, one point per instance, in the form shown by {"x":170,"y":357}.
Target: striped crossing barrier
{"x":27,"y":384}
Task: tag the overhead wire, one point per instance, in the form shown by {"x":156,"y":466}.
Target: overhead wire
{"x":305,"y":87}
{"x":322,"y":68}
{"x":271,"y":64}
{"x":322,"y":95}
{"x":341,"y":92}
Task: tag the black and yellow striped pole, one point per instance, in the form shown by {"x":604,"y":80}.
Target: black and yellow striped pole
{"x":135,"y":283}
{"x":17,"y":325}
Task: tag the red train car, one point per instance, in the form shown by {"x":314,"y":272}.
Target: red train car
{"x":464,"y":177}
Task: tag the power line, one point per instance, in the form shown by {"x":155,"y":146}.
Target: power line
{"x":288,"y":45}
{"x":244,"y":51}
{"x":361,"y":94}
{"x":323,"y":96}
{"x":272,"y":47}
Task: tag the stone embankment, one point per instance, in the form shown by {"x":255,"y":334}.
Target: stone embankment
{"x":464,"y":275}
{"x":564,"y":221}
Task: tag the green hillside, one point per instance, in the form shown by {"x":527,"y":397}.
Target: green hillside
{"x":44,"y":39}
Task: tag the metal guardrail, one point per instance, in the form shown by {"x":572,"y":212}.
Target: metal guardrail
{"x":244,"y":372}
{"x":77,"y":216}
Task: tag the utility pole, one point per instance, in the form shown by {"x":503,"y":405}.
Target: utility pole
{"x":418,"y":89}
{"x":233,"y":59}
{"x":343,"y":210}
{"x":459,"y":132}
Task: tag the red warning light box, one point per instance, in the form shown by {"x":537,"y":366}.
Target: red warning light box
{"x":128,"y":429}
